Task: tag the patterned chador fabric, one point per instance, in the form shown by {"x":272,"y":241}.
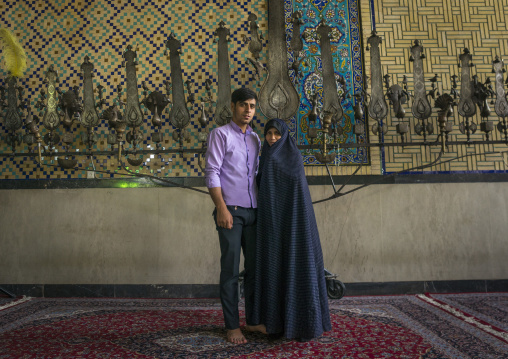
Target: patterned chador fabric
{"x":290,"y":284}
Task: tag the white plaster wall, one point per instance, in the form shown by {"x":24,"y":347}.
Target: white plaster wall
{"x":383,"y":233}
{"x":416,"y":232}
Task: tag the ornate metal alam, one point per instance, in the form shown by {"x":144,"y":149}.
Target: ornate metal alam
{"x":36,"y":133}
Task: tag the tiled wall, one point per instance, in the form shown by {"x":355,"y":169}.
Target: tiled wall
{"x":62,"y":33}
{"x":445,"y":27}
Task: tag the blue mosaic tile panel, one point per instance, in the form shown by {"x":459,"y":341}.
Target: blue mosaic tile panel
{"x":343,"y":18}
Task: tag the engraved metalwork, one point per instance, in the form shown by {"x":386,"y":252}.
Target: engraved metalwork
{"x":205,"y":113}
{"x":332,"y":110}
{"x":324,"y":135}
{"x":255,"y":45}
{"x":296,"y":40}
{"x":397,"y":96}
{"x":67,"y":163}
{"x":203,"y":119}
{"x":51,"y":120}
{"x":378,"y":109}
{"x":323,"y":156}
{"x":501,"y":106}
{"x":278,"y":97}
{"x":421,"y":107}
{"x":115,"y":121}
{"x":223,"y":113}
{"x":191,"y":97}
{"x":89,"y":117}
{"x":32,"y":132}
{"x":482,"y":92}
{"x":132,"y":114}
{"x":12,"y":113}
{"x":297,"y":44}
{"x":70,"y":106}
{"x":445,"y":105}
{"x":433,"y":93}
{"x":330,"y":114}
{"x":155,"y":102}
{"x":179,"y":115}
{"x":466,"y":106}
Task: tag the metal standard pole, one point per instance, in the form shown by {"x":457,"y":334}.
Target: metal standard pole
{"x":372,"y":16}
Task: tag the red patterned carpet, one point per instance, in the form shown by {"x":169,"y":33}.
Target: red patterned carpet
{"x":423,"y":326}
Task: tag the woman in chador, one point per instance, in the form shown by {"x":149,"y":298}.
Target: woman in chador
{"x":290,"y":292}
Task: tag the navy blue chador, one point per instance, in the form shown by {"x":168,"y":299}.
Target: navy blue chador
{"x":290,"y":291}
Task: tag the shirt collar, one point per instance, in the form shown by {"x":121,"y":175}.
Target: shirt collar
{"x":238,"y":129}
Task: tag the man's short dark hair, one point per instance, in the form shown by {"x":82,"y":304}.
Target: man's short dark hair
{"x":243,"y":94}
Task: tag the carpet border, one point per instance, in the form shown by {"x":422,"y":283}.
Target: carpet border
{"x":478,"y":323}
{"x":15,"y":302}
{"x":212,"y":290}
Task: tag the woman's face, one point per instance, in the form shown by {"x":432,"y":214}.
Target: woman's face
{"x":272,"y":136}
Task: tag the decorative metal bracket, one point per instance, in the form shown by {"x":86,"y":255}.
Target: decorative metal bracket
{"x":156,"y":102}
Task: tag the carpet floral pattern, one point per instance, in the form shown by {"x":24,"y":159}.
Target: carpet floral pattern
{"x":363,"y":327}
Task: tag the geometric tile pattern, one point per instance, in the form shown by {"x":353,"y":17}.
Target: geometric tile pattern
{"x":445,"y":28}
{"x":61,"y":33}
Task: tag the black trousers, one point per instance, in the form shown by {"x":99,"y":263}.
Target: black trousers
{"x":232,"y":241}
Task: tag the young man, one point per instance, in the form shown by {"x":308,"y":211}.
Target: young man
{"x":231,"y":164}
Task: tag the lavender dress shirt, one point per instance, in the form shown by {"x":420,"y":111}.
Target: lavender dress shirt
{"x":231,"y":163}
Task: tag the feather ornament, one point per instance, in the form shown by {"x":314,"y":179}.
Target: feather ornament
{"x":13,"y":54}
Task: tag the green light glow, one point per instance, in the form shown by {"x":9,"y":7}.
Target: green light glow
{"x":128,"y":185}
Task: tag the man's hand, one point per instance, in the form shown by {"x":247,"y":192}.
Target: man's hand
{"x":224,"y":218}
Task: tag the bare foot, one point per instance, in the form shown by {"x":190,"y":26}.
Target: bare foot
{"x":256,"y":328}
{"x":235,"y":336}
